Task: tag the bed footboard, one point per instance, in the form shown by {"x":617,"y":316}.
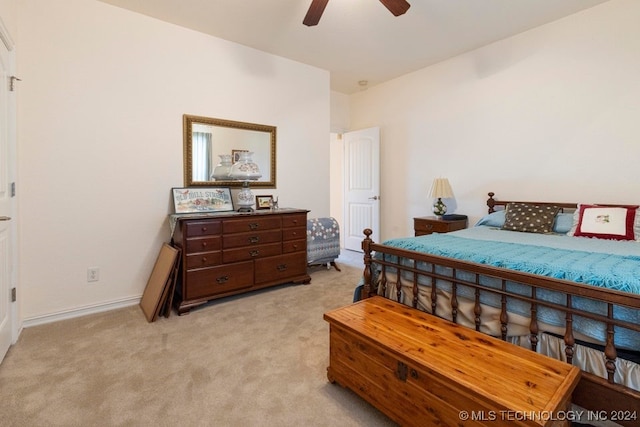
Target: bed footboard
{"x":420,"y":280}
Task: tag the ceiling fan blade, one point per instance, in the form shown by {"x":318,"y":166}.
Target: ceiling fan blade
{"x":315,"y":12}
{"x":397,"y":7}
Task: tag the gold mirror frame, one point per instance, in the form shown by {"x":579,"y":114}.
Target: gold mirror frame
{"x":268,"y":179}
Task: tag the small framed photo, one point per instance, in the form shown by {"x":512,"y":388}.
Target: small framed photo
{"x":264,"y":202}
{"x":205,"y":199}
{"x":235,"y":155}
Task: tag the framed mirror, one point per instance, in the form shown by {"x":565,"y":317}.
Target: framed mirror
{"x":208,"y":142}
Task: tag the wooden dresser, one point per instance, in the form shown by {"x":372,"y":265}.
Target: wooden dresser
{"x":230,"y":253}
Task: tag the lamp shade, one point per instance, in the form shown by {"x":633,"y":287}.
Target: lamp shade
{"x":441,"y":188}
{"x":245,"y":169}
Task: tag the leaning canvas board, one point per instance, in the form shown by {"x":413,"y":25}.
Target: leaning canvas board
{"x":166,"y":301}
{"x":159,"y":280}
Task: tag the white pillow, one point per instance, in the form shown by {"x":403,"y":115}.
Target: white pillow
{"x":590,"y":213}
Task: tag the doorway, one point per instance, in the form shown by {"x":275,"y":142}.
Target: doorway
{"x":8,"y":314}
{"x":355,"y":184}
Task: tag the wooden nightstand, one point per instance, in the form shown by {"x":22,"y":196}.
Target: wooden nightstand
{"x":431,"y":224}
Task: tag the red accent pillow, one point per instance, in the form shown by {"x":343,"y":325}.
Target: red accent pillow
{"x":606,"y":222}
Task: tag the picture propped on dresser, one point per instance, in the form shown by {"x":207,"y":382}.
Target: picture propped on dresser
{"x":208,"y":199}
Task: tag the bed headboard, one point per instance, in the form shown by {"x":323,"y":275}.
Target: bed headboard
{"x":501,"y":204}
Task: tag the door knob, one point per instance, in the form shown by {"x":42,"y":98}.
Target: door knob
{"x":374,"y":198}
{"x":5,"y":218}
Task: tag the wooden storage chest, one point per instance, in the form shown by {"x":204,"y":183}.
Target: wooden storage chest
{"x":422,"y":370}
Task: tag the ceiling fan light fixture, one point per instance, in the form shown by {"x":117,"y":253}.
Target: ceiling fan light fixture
{"x":316,"y":9}
{"x":396,"y":7}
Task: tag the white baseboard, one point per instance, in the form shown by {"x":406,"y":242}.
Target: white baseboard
{"x":80,"y":311}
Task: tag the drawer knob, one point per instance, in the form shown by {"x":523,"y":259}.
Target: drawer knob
{"x":222,"y":279}
{"x":282,"y":267}
{"x":204,"y":229}
{"x":253,"y":226}
{"x":254,"y":239}
{"x":204,"y":259}
{"x":295,"y":233}
{"x":254,"y":253}
{"x":204,"y":244}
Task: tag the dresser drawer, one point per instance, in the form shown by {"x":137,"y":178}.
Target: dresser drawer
{"x":206,"y":244}
{"x":294,"y":246}
{"x":217,"y":280}
{"x":251,"y":239}
{"x":428,"y":225}
{"x":202,"y":228}
{"x":294,"y":233}
{"x":251,"y":224}
{"x":251,"y":252}
{"x":281,"y":267}
{"x":294,"y":220}
{"x":201,"y":260}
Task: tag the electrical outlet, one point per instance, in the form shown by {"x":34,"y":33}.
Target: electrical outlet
{"x":93,"y":274}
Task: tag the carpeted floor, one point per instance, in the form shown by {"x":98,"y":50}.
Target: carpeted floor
{"x":253,"y":360}
{"x":257,"y":359}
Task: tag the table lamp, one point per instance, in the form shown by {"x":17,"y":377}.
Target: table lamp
{"x":440,"y":189}
{"x":245,"y":170}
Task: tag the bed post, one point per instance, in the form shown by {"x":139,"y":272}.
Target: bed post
{"x":491,"y":202}
{"x":366,"y":247}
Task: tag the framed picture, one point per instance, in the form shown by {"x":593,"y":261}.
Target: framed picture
{"x":235,"y":155}
{"x":205,"y":199}
{"x":264,"y":202}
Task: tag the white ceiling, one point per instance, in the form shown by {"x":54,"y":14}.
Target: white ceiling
{"x":360,"y":39}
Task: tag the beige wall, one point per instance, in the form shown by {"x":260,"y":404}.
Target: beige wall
{"x":339,"y":112}
{"x":551,"y":114}
{"x":100,"y":141}
{"x":339,"y":124}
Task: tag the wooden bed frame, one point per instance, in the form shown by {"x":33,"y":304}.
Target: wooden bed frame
{"x":593,"y":392}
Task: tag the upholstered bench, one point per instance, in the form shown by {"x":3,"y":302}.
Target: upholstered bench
{"x":323,"y":242}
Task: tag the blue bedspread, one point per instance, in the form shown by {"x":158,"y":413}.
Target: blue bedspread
{"x":619,"y":272}
{"x":595,"y":266}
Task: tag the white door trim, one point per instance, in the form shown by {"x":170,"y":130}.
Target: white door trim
{"x":10,"y":209}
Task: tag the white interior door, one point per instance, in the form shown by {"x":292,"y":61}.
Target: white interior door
{"x":361,"y":185}
{"x":7,"y":136}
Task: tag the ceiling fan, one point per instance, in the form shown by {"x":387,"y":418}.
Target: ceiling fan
{"x":397,"y":7}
